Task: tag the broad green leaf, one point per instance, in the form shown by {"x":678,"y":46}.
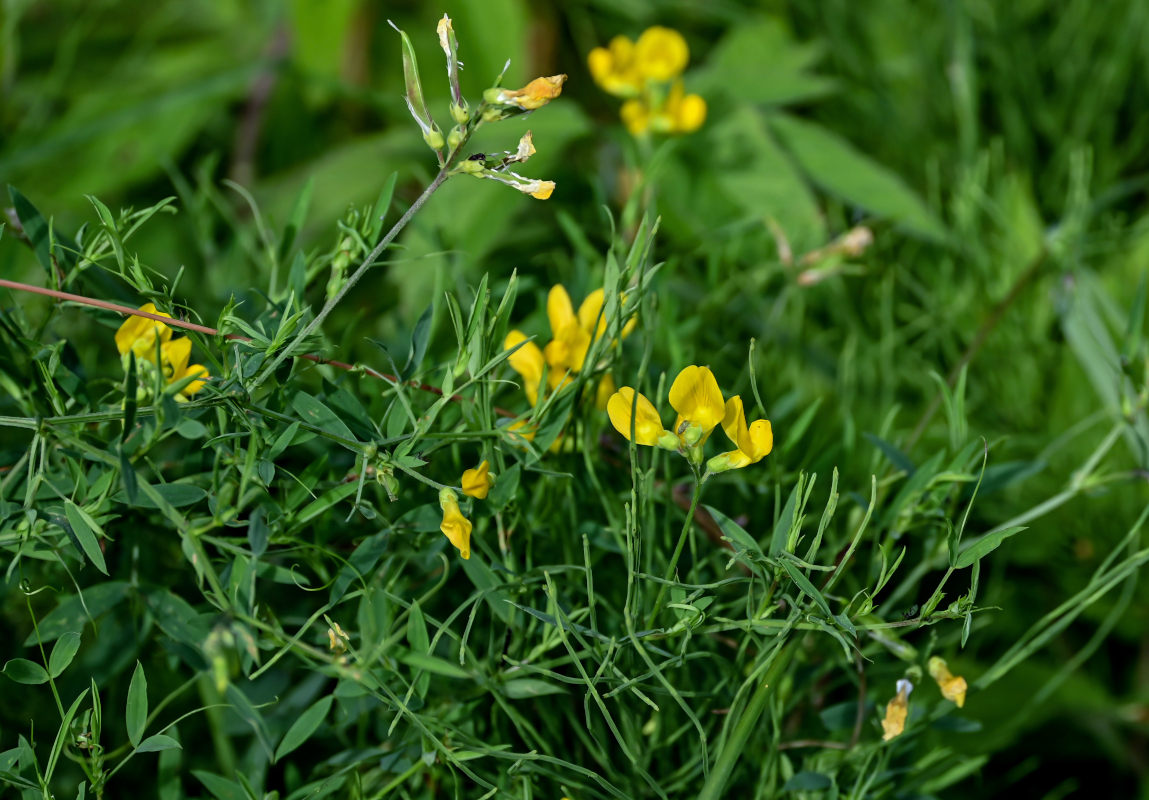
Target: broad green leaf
{"x":808,"y":781}
{"x":432,"y":664}
{"x":63,"y":653}
{"x":317,"y":414}
{"x":420,"y":643}
{"x":22,"y":670}
{"x":785,"y":521}
{"x":985,"y":545}
{"x":158,"y":743}
{"x":306,"y":724}
{"x":840,"y":169}
{"x":735,"y":532}
{"x":221,"y":788}
{"x":85,"y":528}
{"x":136,"y":713}
{"x":72,"y":614}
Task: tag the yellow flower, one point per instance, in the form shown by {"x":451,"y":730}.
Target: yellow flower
{"x":648,"y":428}
{"x":661,"y":54}
{"x":535,"y":94}
{"x":754,"y":442}
{"x":896,"y":710}
{"x":698,"y":400}
{"x":477,"y":482}
{"x":528,"y":361}
{"x":953,"y":687}
{"x":139,"y":334}
{"x":455,"y":526}
{"x":679,"y":113}
{"x":174,"y":357}
{"x":614,"y":68}
{"x":572,"y":335}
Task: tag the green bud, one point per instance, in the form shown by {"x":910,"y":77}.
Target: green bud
{"x":455,"y":138}
{"x":447,"y":497}
{"x":434,"y":137}
{"x":718,"y":464}
{"x":668,"y":441}
{"x":692,"y":434}
{"x":471,"y":167}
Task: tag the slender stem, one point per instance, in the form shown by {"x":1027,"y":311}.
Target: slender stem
{"x":669,"y":576}
{"x":235,"y":337}
{"x":368,"y":262}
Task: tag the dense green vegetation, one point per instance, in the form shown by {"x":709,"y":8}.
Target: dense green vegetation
{"x":913,"y":236}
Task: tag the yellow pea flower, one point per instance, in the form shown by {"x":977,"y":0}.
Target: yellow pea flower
{"x":455,"y":526}
{"x":648,"y":428}
{"x":139,"y":334}
{"x":754,"y":442}
{"x":680,"y":113}
{"x":894,"y":723}
{"x":528,"y":361}
{"x":698,"y":400}
{"x":567,"y":351}
{"x":174,"y":357}
{"x":477,"y":482}
{"x":614,"y":68}
{"x":661,"y":54}
{"x":953,"y":686}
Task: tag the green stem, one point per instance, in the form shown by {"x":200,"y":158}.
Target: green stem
{"x":743,"y":728}
{"x":368,"y":262}
{"x":669,"y":576}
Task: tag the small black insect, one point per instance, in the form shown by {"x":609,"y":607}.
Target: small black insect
{"x":477,"y":157}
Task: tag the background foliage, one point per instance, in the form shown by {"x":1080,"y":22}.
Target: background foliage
{"x":187,"y":572}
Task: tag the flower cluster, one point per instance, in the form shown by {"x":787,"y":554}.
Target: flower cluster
{"x":455,"y":526}
{"x":565,"y":355}
{"x":647,"y":73}
{"x":154,"y":348}
{"x":696,"y":398}
{"x":953,"y":688}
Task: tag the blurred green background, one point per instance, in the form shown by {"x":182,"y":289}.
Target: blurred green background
{"x":998,"y":151}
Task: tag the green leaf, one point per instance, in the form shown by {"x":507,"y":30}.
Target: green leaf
{"x":521,"y":688}
{"x":807,"y":588}
{"x":982,"y":547}
{"x":782,"y":527}
{"x":74,"y":611}
{"x":22,"y":670}
{"x":432,"y":664}
{"x":85,"y":528}
{"x":420,"y":642}
{"x":176,"y":495}
{"x":221,"y":788}
{"x":807,"y":781}
{"x":419,"y":338}
{"x":735,"y":532}
{"x":35,"y":228}
{"x":319,"y":415}
{"x":136,"y":713}
{"x":303,"y":727}
{"x":837,"y":167}
{"x":63,"y":653}
{"x":157,"y":743}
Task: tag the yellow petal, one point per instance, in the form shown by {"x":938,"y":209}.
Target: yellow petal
{"x":635,"y":116}
{"x":647,"y":424}
{"x":139,"y":333}
{"x":894,"y":723}
{"x":734,"y":421}
{"x":689,"y":114}
{"x":535,"y":94}
{"x":661,"y":53}
{"x":953,"y":687}
{"x":457,"y":529}
{"x":527,"y":361}
{"x":589,"y":311}
{"x":697,"y":399}
{"x":175,"y":354}
{"x":195,"y":386}
{"x":477,"y":482}
{"x":602,"y":394}
{"x":560,"y":310}
{"x":759,"y":441}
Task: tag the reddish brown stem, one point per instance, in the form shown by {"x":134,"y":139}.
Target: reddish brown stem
{"x":191,"y":326}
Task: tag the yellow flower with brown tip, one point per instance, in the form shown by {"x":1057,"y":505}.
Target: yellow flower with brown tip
{"x":477,"y":482}
{"x":953,"y":686}
{"x":455,"y":526}
{"x":754,"y":442}
{"x":894,"y":723}
{"x":698,"y":400}
{"x":535,"y":94}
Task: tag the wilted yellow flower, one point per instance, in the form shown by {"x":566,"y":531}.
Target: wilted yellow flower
{"x":698,"y":400}
{"x":953,"y":686}
{"x":754,"y":442}
{"x":661,"y":54}
{"x":455,"y":526}
{"x":896,"y":710}
{"x":535,"y":94}
{"x":477,"y":482}
{"x":139,"y":334}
